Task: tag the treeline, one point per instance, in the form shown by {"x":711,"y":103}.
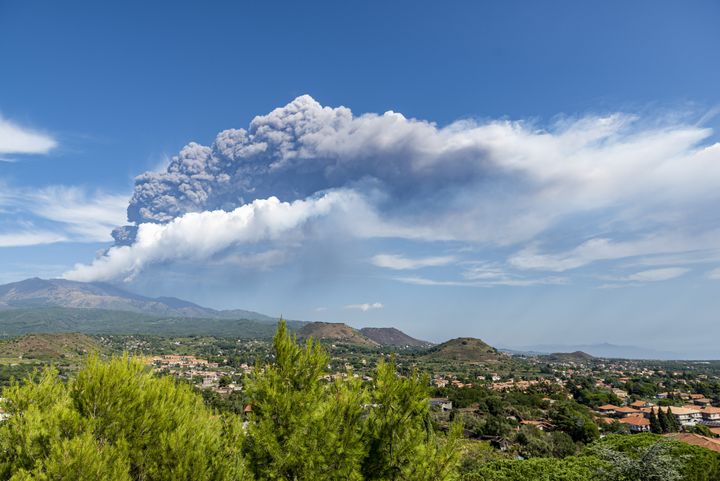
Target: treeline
{"x":115,"y":421}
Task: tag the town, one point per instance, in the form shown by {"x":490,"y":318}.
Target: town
{"x":680,"y":399}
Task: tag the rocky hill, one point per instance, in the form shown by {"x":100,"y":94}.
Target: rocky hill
{"x":335,"y":332}
{"x":466,"y":349}
{"x":389,"y":336}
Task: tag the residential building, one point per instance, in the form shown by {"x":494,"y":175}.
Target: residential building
{"x":687,"y":416}
{"x":625,"y":411}
{"x":710,"y":414}
{"x":607,"y":409}
{"x":637,"y":423}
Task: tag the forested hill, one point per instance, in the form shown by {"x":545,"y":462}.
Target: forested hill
{"x":16,"y":322}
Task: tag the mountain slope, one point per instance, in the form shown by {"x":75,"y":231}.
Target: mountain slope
{"x":335,"y":332}
{"x":16,"y":322}
{"x":97,"y":295}
{"x":467,"y":349}
{"x":49,"y":346}
{"x":389,"y":336}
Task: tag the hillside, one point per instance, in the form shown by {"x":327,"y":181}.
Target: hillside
{"x":16,"y":322}
{"x":33,"y":293}
{"x":466,"y":349}
{"x":389,"y":336}
{"x":335,"y":332}
{"x":48,"y":346}
{"x":577,"y":356}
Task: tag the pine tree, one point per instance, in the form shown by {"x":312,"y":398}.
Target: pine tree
{"x":301,"y":426}
{"x":115,"y":421}
{"x":674,"y":425}
{"x":398,"y":433}
{"x":655,"y":424}
{"x":665,"y":423}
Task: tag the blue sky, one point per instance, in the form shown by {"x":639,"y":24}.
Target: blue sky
{"x":547,"y":172}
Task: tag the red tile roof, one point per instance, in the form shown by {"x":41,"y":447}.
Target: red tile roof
{"x":636,"y":420}
{"x":627,"y":410}
{"x":697,"y":440}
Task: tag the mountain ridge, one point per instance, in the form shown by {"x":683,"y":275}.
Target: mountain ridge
{"x":63,"y":293}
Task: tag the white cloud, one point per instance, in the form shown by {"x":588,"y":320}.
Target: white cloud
{"x":29,"y":238}
{"x":639,"y":279}
{"x":714,"y":274}
{"x":398,"y":262}
{"x":503,"y":281}
{"x":656,"y":275}
{"x":200,"y":236}
{"x":365,"y":307}
{"x":15,"y":139}
{"x":70,"y":213}
{"x":88,"y":217}
{"x":603,"y":249}
{"x":478,"y":271}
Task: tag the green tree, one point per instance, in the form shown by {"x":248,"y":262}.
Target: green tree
{"x":575,"y":420}
{"x":114,"y":421}
{"x":652,"y":463}
{"x":702,"y":430}
{"x":398,"y":433}
{"x":673,"y":423}
{"x":302,"y":427}
{"x":692,"y":462}
{"x":80,"y":458}
{"x":658,"y":424}
{"x":574,"y":468}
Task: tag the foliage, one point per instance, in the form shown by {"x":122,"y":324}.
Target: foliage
{"x":575,"y":468}
{"x":658,"y":423}
{"x":113,"y":421}
{"x":575,"y":420}
{"x":634,"y":453}
{"x":475,"y":454}
{"x":535,"y":443}
{"x":651,"y":463}
{"x":585,"y":392}
{"x":303,"y":427}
